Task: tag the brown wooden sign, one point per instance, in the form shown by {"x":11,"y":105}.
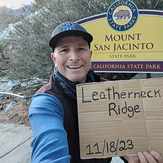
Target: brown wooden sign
{"x":120,"y":117}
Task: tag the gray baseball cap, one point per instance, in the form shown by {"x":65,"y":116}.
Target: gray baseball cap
{"x":69,"y":29}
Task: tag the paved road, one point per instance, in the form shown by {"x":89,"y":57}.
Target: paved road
{"x":15,"y":143}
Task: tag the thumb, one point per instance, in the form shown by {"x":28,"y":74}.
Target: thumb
{"x":132,"y":158}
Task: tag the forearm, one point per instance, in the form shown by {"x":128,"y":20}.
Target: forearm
{"x":49,"y":148}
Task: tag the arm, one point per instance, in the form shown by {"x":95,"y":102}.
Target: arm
{"x":49,"y":143}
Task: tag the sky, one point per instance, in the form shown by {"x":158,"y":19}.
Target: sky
{"x":14,"y":3}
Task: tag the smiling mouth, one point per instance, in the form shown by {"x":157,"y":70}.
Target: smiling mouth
{"x":74,"y":67}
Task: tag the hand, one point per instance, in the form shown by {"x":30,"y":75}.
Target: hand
{"x":132,"y":158}
{"x":145,"y":157}
{"x":150,"y":157}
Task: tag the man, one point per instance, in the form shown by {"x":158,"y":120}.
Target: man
{"x":53,"y":111}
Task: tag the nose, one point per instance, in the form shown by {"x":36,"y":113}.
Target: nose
{"x":74,"y":56}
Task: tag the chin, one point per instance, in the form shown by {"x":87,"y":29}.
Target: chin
{"x":77,"y":79}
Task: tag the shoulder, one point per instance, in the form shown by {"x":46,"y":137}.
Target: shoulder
{"x":94,"y":77}
{"x":46,"y":87}
{"x":44,"y":99}
{"x":45,"y":103}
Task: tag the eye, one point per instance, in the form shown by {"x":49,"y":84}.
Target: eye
{"x":64,"y":50}
{"x":82,"y":48}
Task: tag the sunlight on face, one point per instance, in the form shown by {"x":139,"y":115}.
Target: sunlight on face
{"x":14,"y":3}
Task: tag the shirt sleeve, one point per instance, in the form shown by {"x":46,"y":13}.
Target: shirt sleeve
{"x":49,"y":143}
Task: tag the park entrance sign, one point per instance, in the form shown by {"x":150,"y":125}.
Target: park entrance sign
{"x":126,"y":39}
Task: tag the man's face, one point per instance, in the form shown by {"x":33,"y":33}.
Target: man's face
{"x":72,"y":58}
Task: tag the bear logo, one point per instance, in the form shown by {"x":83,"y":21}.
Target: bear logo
{"x":122,"y":15}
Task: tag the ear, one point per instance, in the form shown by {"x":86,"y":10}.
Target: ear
{"x":53,"y":57}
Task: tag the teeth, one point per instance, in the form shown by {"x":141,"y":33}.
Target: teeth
{"x":73,"y":67}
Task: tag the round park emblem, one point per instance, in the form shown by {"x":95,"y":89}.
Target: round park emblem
{"x":122,"y":15}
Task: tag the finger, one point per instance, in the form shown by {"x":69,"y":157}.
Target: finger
{"x":130,"y":155}
{"x":142,"y":158}
{"x":157,"y":156}
{"x":132,"y":158}
{"x":149,"y":157}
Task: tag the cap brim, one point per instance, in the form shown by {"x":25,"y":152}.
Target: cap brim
{"x":88,"y":37}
